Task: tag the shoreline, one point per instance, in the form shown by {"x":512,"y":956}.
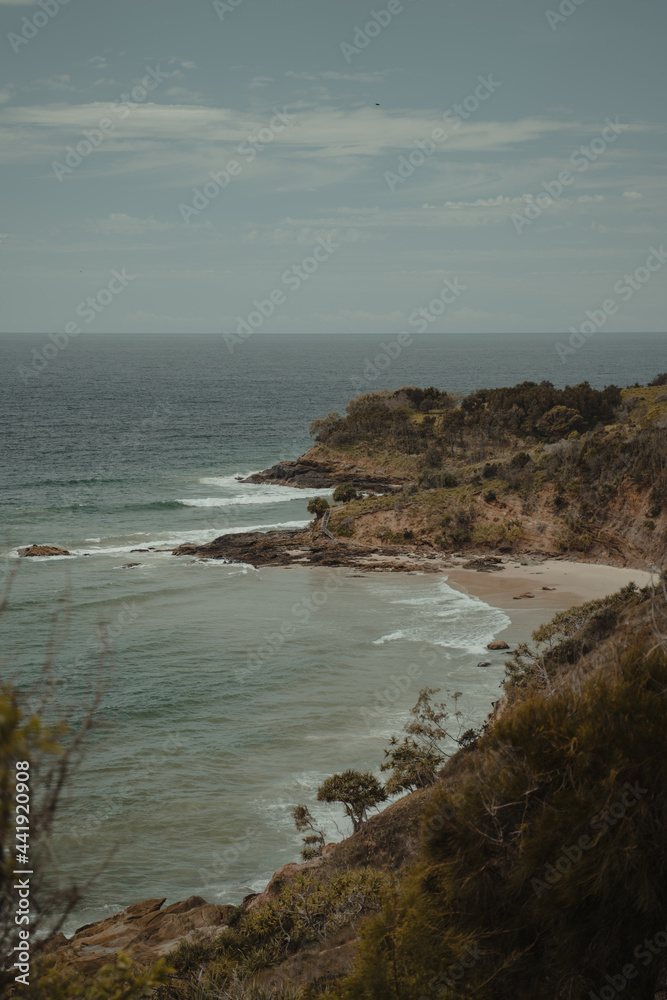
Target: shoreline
{"x":573,"y":583}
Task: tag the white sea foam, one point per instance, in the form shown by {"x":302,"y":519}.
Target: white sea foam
{"x":389,"y":638}
{"x":263,"y":495}
{"x":446,"y":618}
{"x":226,"y":481}
{"x":181,"y":538}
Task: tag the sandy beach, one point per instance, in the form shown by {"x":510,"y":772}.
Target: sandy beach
{"x":572,"y":582}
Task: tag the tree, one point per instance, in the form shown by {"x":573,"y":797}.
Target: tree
{"x":358,"y":791}
{"x":345,"y":493}
{"x":318,"y":506}
{"x":323,"y":428}
{"x":558,"y":422}
{"x":414,"y":761}
{"x":314,"y":841}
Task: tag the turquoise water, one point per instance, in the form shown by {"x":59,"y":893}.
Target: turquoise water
{"x":230,"y":693}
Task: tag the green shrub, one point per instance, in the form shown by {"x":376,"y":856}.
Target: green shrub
{"x":345,"y":493}
{"x":318,"y":506}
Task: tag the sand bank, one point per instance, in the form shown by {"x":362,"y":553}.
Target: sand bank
{"x":572,"y":583}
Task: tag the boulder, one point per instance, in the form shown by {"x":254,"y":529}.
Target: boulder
{"x":548,"y":588}
{"x":499,"y":644}
{"x":257,"y":899}
{"x":145,"y":930}
{"x":34,"y":551}
{"x":520,"y":597}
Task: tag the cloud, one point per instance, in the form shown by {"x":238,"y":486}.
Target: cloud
{"x":302,"y":235}
{"x":632,"y":195}
{"x":7,"y":93}
{"x":60,"y":82}
{"x":119,"y":224}
{"x":377,"y":76}
{"x":183,"y":93}
{"x":321,"y":134}
{"x":183,"y":63}
{"x":99,"y":62}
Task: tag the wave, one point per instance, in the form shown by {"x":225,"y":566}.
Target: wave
{"x":265,"y":495}
{"x":447,"y":618}
{"x":390,"y":638}
{"x":227,"y":481}
{"x":143,"y":540}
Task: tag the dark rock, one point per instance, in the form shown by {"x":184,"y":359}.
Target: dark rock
{"x":485,"y":564}
{"x":307,"y":474}
{"x":499,"y":644}
{"x":35,"y":551}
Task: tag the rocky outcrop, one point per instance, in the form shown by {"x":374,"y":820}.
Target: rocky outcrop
{"x":298,"y":548}
{"x":34,"y":551}
{"x":499,"y":644}
{"x":308,"y":474}
{"x":145,"y":931}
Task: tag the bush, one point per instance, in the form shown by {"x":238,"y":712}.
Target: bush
{"x":441,"y":479}
{"x":318,"y":506}
{"x":345,"y":493}
{"x":357,"y":791}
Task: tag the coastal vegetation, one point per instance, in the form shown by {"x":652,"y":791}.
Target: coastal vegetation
{"x":572,"y":470}
{"x":525,"y":859}
{"x":538,"y":869}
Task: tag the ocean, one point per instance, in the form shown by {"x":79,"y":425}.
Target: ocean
{"x":230,"y":693}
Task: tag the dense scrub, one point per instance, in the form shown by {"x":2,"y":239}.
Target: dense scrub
{"x":530,"y":411}
{"x":544,"y":872}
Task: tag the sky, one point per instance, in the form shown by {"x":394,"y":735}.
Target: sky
{"x":306,"y":166}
